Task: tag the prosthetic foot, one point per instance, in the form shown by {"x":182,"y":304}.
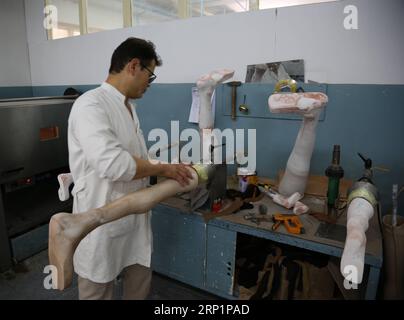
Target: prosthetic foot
{"x":67,"y":230}
{"x":310,"y":105}
{"x":208,"y":82}
{"x":302,"y":103}
{"x":288,"y":203}
{"x":65,"y":180}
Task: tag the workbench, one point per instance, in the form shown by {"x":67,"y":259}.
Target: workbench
{"x":203,"y":255}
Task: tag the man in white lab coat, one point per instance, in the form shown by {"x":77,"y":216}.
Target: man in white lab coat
{"x":108,"y":159}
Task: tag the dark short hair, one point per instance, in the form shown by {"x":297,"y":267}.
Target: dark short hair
{"x":133,"y":48}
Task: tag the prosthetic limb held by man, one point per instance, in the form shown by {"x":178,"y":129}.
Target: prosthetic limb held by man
{"x":67,"y":230}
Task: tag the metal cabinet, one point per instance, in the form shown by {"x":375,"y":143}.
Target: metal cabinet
{"x":187,"y":249}
{"x":220,"y":261}
{"x":203,"y":255}
{"x":33,"y":144}
{"x":179,"y":245}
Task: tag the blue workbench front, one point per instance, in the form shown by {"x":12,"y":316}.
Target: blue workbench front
{"x":203,"y":254}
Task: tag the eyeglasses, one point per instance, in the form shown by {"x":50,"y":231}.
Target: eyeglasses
{"x":152,"y":76}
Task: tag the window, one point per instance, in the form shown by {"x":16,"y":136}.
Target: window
{"x":104,"y":15}
{"x":154,"y":11}
{"x":68,"y":23}
{"x":269,"y":4}
{"x":75,"y":17}
{"x":201,"y":8}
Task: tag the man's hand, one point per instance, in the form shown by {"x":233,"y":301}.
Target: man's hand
{"x":179,"y":172}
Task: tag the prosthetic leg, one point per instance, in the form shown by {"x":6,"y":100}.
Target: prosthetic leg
{"x":362,"y":202}
{"x":206,"y":85}
{"x":360,"y":211}
{"x":67,"y":230}
{"x":309,"y":104}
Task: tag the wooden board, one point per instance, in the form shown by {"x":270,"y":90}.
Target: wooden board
{"x":317,"y":186}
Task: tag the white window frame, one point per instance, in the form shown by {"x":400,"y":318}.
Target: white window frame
{"x":183,"y":13}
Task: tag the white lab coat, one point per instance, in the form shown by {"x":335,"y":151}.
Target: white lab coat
{"x":102,"y":137}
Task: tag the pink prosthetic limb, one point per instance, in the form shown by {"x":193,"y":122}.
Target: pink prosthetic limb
{"x":288,"y":203}
{"x":309,"y":104}
{"x":300,"y":208}
{"x":206,"y":85}
{"x":362,"y":203}
{"x":67,"y":230}
{"x":360,"y":211}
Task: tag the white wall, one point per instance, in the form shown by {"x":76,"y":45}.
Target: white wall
{"x":14,"y":60}
{"x":372,"y":54}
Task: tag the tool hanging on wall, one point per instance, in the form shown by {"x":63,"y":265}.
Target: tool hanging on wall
{"x":234,"y":85}
{"x":286,"y":85}
{"x":243,"y":107}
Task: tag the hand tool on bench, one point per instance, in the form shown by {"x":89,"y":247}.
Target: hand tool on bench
{"x":256,"y":219}
{"x":290,"y":221}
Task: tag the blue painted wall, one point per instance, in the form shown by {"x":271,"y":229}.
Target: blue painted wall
{"x":39,"y":91}
{"x":44,"y":91}
{"x":361,"y":118}
{"x":15,"y":92}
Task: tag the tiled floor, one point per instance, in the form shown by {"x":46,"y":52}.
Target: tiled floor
{"x":26,"y":283}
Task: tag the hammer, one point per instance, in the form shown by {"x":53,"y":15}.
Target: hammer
{"x":234,"y":85}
